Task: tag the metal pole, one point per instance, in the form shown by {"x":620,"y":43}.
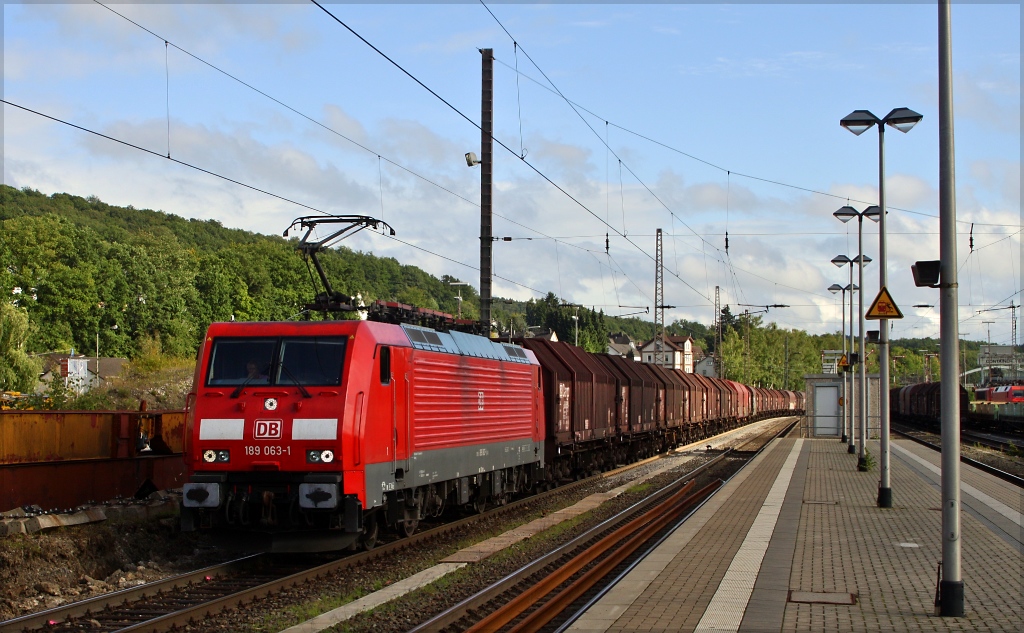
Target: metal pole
{"x":853,"y":407}
{"x":884,"y":486}
{"x":846,"y":394}
{"x":486,"y":172}
{"x":862,"y":432}
{"x":951,"y":587}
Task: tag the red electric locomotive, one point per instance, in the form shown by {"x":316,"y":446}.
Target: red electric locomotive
{"x":1000,"y":393}
{"x":315,"y":435}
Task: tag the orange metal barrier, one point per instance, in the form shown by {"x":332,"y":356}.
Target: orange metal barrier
{"x":62,"y":459}
{"x":53,"y":436}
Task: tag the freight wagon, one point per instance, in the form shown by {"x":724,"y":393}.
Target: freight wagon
{"x":317,"y":435}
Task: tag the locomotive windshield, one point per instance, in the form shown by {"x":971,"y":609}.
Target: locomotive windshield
{"x":310,"y":360}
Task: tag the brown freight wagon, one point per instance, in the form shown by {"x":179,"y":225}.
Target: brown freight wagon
{"x":643,"y":404}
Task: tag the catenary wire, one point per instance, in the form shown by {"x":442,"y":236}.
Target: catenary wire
{"x":315,"y":122}
{"x":718,"y":167}
{"x":503,"y":145}
{"x":290,"y":108}
{"x":241,"y":184}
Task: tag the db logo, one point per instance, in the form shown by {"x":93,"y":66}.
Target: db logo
{"x":267,"y":430}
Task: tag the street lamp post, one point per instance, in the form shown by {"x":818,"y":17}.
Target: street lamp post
{"x":840,"y":261}
{"x":858,"y":122}
{"x":834,"y":288}
{"x":459,"y":298}
{"x":575,"y":318}
{"x":845,"y":214}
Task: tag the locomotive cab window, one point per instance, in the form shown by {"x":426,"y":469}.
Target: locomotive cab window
{"x":236,"y":361}
{"x":309,"y":360}
{"x":385,"y":365}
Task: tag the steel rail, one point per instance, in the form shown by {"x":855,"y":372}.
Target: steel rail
{"x":57,"y":615}
{"x":482,"y":597}
{"x":96,"y":604}
{"x":512,"y":609}
{"x":118,"y":599}
{"x":1001,"y":474}
{"x":637,"y":533}
{"x":989,"y":441}
{"x":786,"y":429}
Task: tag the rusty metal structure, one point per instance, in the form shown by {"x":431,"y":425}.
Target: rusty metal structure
{"x":66,"y":458}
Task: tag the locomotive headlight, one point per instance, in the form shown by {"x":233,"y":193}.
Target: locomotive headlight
{"x":318,"y":456}
{"x":209,"y":456}
{"x":223,"y":456}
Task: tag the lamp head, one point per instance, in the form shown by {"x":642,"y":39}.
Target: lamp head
{"x":841,"y":260}
{"x":859,"y":121}
{"x":471,"y":159}
{"x":873,"y":213}
{"x":903,"y":119}
{"x":862,"y":259}
{"x":846,"y":213}
{"x":834,"y":288}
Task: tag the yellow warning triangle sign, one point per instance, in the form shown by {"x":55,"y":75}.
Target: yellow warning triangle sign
{"x":843,"y":362}
{"x":883,"y":307}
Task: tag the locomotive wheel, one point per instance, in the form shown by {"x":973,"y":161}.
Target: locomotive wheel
{"x":368,"y":540}
{"x":408,"y":527}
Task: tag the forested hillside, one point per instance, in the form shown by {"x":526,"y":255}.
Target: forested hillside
{"x":80,"y":267}
{"x":76,"y":270}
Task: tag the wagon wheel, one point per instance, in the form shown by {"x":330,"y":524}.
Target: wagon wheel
{"x":407,"y":527}
{"x":368,"y":539}
{"x":480,"y":505}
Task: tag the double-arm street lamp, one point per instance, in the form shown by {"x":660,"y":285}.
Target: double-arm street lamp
{"x":860,"y":261}
{"x":845,"y":214}
{"x":459,"y":297}
{"x":842,"y":260}
{"x":858,"y":122}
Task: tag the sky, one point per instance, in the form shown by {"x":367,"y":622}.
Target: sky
{"x":609,"y":119}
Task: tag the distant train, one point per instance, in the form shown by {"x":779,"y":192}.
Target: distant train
{"x":1000,"y":393}
{"x":921,"y":403}
{"x":317,"y":435}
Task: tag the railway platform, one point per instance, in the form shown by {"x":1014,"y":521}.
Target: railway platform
{"x":795,"y":542}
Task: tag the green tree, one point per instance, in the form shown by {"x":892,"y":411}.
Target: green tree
{"x":18,"y":371}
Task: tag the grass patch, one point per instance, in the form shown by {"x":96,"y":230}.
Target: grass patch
{"x":639,"y":488}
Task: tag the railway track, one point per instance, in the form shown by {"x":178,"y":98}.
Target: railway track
{"x":988,"y":440}
{"x":1002,"y":474}
{"x":175,"y":602}
{"x":552,"y":591}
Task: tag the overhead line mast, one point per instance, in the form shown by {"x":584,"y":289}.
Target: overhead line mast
{"x":659,"y":301}
{"x":486,"y":172}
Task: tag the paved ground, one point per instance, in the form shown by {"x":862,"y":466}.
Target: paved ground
{"x":796,"y":543}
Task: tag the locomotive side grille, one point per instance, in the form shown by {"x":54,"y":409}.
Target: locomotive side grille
{"x":484,"y":404}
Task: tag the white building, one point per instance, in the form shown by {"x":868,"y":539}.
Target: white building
{"x":680,"y":352}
